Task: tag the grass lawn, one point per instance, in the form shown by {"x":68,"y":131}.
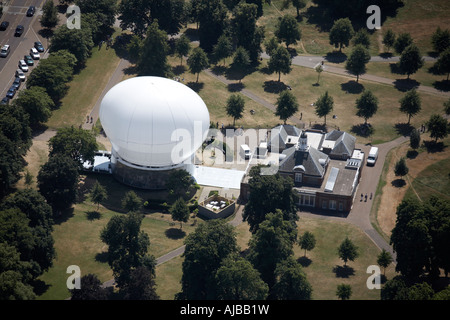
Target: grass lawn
{"x":85,"y":88}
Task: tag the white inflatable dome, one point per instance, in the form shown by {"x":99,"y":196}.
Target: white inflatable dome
{"x":143,"y":116}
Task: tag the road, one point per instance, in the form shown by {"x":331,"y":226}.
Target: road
{"x":15,"y":13}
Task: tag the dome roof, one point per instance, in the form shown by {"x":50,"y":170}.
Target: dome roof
{"x":144,"y":118}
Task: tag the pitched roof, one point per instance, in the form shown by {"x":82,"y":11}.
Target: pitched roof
{"x":280,"y":134}
{"x":344,"y":142}
{"x":310,"y":160}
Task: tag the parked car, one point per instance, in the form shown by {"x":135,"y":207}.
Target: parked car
{"x":11,"y":92}
{"x":4,"y":101}
{"x":39,"y":47}
{"x":23,"y":65}
{"x":19,"y":31}
{"x":17,"y":82}
{"x":20,"y":74}
{"x":4,"y":25}
{"x":31,"y":10}
{"x":35,"y":54}
{"x":4,"y":51}
{"x":28,"y":60}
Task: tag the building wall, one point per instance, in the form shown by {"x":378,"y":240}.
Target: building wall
{"x":143,"y":179}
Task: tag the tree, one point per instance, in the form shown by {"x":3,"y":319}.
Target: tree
{"x":241,"y":61}
{"x":440,"y":40}
{"x":79,"y":42}
{"x":138,"y":15}
{"x":58,"y":182}
{"x":98,"y":194}
{"x":366,"y":105}
{"x":206,"y":249}
{"x":197,"y":61}
{"x":395,"y":289}
{"x":15,"y":126}
{"x":410,"y":60}
{"x":78,"y":144}
{"x":37,"y":103}
{"x":401,"y":169}
{"x":131,"y":202}
{"x":362,"y":37}
{"x":134,"y":48}
{"x":271,"y":45}
{"x":153,"y":57}
{"x":179,"y":183}
{"x":403,"y":41}
{"x":344,"y":291}
{"x":49,"y":17}
{"x":437,"y":126}
{"x":319,"y":70}
{"x":287,"y":30}
{"x":410,"y":104}
{"x":212,"y":19}
{"x":103,"y":12}
{"x":141,"y":286}
{"x":447,"y":107}
{"x":389,"y":39}
{"x":235,"y":107}
{"x":223,"y":48}
{"x":291,"y":281}
{"x":237,"y":279}
{"x":271,"y":244}
{"x":299,"y":4}
{"x":280,"y":62}
{"x":90,"y":289}
{"x":414,"y":139}
{"x":384,"y":259}
{"x":180,"y":211}
{"x":347,"y":251}
{"x":11,"y":164}
{"x":442,"y":65}
{"x":356,"y":63}
{"x":307,"y":241}
{"x":182,"y":47}
{"x":420,"y":291}
{"x":127,"y":247}
{"x":287,"y":105}
{"x":268,"y":193}
{"x":341,"y":33}
{"x":324,"y":105}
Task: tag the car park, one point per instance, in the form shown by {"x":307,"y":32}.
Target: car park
{"x":28,"y":60}
{"x":39,"y":47}
{"x":31,"y":10}
{"x":4,"y":51}
{"x":23,"y":65}
{"x":4,"y":25}
{"x":4,"y":101}
{"x":20,"y":74}
{"x":19,"y":31}
{"x":35,"y":54}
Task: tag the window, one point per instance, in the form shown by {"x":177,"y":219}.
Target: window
{"x":298,"y":177}
{"x":341,"y":206}
{"x":333,"y":204}
{"x":324,"y":204}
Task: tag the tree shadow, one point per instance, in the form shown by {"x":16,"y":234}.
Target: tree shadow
{"x":352,"y":87}
{"x":319,"y":16}
{"x":343,"y":271}
{"x":175,"y":233}
{"x":192,"y":34}
{"x":412,"y":154}
{"x":292,"y":52}
{"x":46,"y":33}
{"x":236,"y":87}
{"x":395,"y":68}
{"x":362,"y":130}
{"x":63,"y":216}
{"x":39,"y":287}
{"x":219,"y":70}
{"x":177,"y":70}
{"x":443,"y":85}
{"x":403,"y":128}
{"x":93,"y":215}
{"x":432,"y":146}
{"x":406,"y":84}
{"x":196,"y":86}
{"x":120,"y":45}
{"x":398,"y":183}
{"x":133,"y":69}
{"x":321,"y":127}
{"x":386,"y":55}
{"x":102,"y":257}
{"x":336,"y":57}
{"x":272,"y":86}
{"x":304,"y":261}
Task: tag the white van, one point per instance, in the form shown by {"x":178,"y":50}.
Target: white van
{"x":373,"y":156}
{"x":245,"y":152}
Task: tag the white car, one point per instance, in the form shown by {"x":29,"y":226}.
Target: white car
{"x":4,"y":51}
{"x":34,"y":54}
{"x":20,"y":74}
{"x":23,"y":66}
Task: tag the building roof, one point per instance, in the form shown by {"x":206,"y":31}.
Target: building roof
{"x":147,"y":120}
{"x":311,"y":160}
{"x":284,"y":135}
{"x":340,"y":142}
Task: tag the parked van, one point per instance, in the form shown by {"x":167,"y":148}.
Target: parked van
{"x":245,"y":152}
{"x":373,"y":156}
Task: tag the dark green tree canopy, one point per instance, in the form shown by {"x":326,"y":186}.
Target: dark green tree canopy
{"x":389,"y":39}
{"x":37,"y":103}
{"x":180,"y":211}
{"x":90,"y":289}
{"x":410,"y":104}
{"x":401,"y":168}
{"x":441,"y":40}
{"x":182,"y":47}
{"x":324,"y":105}
{"x":410,"y":60}
{"x":356,"y":63}
{"x":141,"y":286}
{"x":348,"y":250}
{"x":49,"y":17}
{"x":79,"y":42}
{"x":442,"y":65}
{"x":341,"y":33}
{"x":291,"y":281}
{"x":287,"y":105}
{"x":288,"y":30}
{"x":280,"y":61}
{"x":403,"y":41}
{"x":307,"y":241}
{"x":437,"y":126}
{"x":131,"y":202}
{"x":366,"y":105}
{"x":235,"y":107}
{"x":362,"y":37}
{"x":197,"y":61}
